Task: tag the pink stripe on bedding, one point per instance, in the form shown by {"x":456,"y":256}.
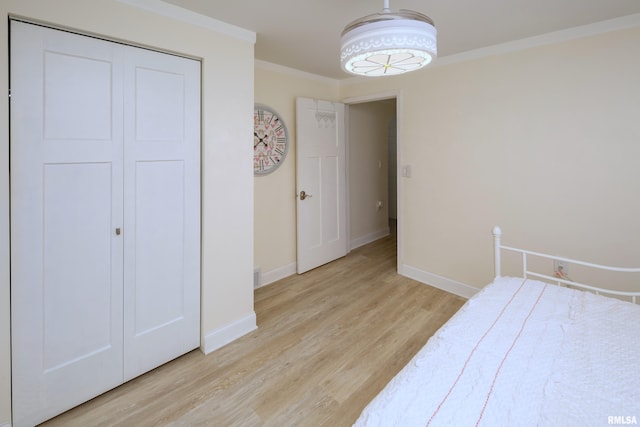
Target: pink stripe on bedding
{"x":489,"y":329}
{"x":495,"y":377}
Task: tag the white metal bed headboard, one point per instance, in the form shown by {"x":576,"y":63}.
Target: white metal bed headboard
{"x":498,"y":248}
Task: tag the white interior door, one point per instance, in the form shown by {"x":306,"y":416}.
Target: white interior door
{"x":105,"y":207}
{"x":321,"y":175}
{"x":66,"y":202}
{"x":162,"y":209}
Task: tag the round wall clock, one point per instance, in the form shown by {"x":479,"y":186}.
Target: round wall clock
{"x":270,"y":140}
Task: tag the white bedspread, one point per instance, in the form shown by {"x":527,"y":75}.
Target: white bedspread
{"x":521,"y":353}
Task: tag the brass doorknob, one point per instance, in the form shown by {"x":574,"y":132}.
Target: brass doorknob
{"x":304,"y":195}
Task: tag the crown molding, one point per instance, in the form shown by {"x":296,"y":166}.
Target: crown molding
{"x":293,"y":72}
{"x":616,"y":24}
{"x":185,"y":15}
{"x":602,"y":27}
{"x":190,"y":17}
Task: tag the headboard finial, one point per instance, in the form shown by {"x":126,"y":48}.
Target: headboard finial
{"x":497,"y":232}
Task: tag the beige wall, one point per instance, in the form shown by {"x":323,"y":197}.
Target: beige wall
{"x":227,"y":104}
{"x":543,"y":142}
{"x":368,"y":131}
{"x":274,"y":194}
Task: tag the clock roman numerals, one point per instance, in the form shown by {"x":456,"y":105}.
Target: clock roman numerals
{"x":270,"y":140}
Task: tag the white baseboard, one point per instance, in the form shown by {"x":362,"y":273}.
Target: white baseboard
{"x":368,"y":238}
{"x":5,"y":425}
{"x":269,"y":277}
{"x":452,"y":286}
{"x":228,"y":333}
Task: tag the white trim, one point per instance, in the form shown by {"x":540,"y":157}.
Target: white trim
{"x":293,"y":72}
{"x":615,"y":24}
{"x":6,"y":425}
{"x":190,"y":17}
{"x":276,"y":274}
{"x":439,"y":282}
{"x":224,"y":335}
{"x":368,"y":238}
{"x":622,"y":23}
{"x":399,"y":181}
{"x":347,"y":177}
{"x":380,"y":96}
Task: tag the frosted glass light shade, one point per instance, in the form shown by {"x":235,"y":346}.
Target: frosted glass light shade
{"x":387,"y":43}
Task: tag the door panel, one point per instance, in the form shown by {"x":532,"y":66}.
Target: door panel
{"x":321,"y":173}
{"x":160,"y":97}
{"x":76,"y":260}
{"x":90,"y":98}
{"x":332,"y":226}
{"x":66,"y":200}
{"x":162,"y":200}
{"x":159,"y":267}
{"x":309,"y":171}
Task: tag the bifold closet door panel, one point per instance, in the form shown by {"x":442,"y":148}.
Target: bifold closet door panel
{"x":105,"y":216}
{"x":162,"y":209}
{"x":66,"y":202}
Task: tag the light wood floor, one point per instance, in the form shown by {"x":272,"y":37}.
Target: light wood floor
{"x":327,"y":342}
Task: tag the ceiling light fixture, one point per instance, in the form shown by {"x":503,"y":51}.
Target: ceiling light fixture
{"x":388,"y":43}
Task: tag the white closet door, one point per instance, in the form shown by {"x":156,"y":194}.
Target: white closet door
{"x":105,"y":199}
{"x":162,"y":209}
{"x":66,"y":202}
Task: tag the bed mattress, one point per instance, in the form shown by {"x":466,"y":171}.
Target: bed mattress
{"x":521,"y":352}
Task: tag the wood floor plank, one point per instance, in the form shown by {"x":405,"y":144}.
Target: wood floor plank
{"x":327,"y":342}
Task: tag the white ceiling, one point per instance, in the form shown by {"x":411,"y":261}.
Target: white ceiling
{"x":305,"y":34}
